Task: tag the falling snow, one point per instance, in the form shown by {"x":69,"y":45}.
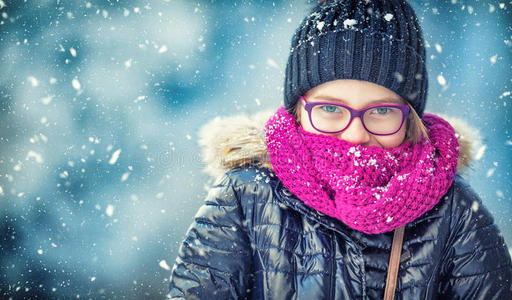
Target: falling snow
{"x":33,"y":81}
{"x":47,"y":100}
{"x":36,"y":156}
{"x":441,"y":80}
{"x":114,"y":157}
{"x":163,"y":264}
{"x":162,"y":49}
{"x":109,"y":211}
{"x":505,"y":94}
{"x":480,"y":152}
{"x":272,"y":63}
{"x":475,"y":206}
{"x":76,"y":84}
{"x":125,"y":176}
{"x":493,"y":59}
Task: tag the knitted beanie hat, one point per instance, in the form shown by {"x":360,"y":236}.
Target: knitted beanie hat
{"x":372,"y":40}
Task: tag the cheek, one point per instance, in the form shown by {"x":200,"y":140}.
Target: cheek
{"x":391,"y":141}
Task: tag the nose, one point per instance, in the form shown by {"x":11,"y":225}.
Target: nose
{"x":355,"y":133}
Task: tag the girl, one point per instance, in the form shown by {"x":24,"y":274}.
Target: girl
{"x":349,"y":191}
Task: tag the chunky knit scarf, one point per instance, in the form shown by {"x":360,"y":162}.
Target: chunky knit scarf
{"x":370,"y":189}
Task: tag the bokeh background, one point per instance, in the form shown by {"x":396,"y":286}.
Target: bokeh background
{"x":100,"y":106}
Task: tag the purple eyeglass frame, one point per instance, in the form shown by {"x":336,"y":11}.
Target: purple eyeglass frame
{"x":353,"y":114}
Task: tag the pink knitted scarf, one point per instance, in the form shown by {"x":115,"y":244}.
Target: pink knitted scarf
{"x":370,"y":189}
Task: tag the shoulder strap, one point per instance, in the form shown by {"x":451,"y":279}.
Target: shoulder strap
{"x":394,"y":262}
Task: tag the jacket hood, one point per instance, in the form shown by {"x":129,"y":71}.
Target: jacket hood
{"x":235,"y":141}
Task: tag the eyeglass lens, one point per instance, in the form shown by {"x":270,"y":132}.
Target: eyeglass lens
{"x":378,"y":120}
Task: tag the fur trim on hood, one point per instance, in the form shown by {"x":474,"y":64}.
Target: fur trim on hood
{"x":229,"y":142}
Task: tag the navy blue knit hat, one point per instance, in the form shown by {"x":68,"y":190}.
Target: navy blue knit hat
{"x":373,"y":40}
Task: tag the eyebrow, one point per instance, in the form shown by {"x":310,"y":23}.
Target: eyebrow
{"x":397,"y":101}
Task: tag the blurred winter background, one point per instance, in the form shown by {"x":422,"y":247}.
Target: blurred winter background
{"x":100,"y":105}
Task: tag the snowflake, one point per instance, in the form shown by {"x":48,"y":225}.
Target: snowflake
{"x":320,"y":25}
{"x":349,"y":23}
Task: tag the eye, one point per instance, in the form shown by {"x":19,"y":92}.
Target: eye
{"x":330,"y":108}
{"x":382,"y":110}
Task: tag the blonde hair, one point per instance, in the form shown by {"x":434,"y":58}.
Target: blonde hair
{"x":415,"y":128}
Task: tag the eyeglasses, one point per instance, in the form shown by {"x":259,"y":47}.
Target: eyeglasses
{"x":330,"y":117}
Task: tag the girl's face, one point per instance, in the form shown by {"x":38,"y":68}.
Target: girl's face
{"x":356,"y":94}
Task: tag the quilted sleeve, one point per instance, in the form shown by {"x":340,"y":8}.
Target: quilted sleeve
{"x":214,"y":260}
{"x":477,"y":263}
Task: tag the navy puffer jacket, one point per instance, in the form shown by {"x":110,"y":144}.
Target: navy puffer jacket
{"x":253,"y":239}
